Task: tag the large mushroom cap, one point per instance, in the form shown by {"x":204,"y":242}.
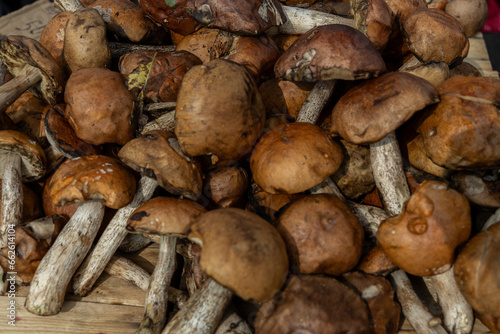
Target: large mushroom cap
{"x":171,"y":14}
{"x":291,"y":158}
{"x":242,"y":252}
{"x":19,"y":52}
{"x":371,"y":110}
{"x":330,"y":52}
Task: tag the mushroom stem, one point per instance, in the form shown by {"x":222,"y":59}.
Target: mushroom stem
{"x":119,"y":49}
{"x":68,"y":5}
{"x":126,"y":269}
{"x":94,"y":264}
{"x":10,"y":91}
{"x":202,"y":312}
{"x":315,"y":102}
{"x":134,"y":242}
{"x":164,"y":122}
{"x":48,"y":287}
{"x":155,"y":312}
{"x":12,"y":196}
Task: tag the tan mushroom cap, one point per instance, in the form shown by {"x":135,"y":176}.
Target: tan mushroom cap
{"x":92,"y":177}
{"x":99,"y":107}
{"x":33,"y":160}
{"x":52,"y":36}
{"x":20,"y":52}
{"x":242,"y":252}
{"x":291,"y":158}
{"x":200,"y":43}
{"x":322,"y":235}
{"x":373,"y":109}
{"x":32,"y":204}
{"x":463,"y":130}
{"x":471,"y":14}
{"x":328,"y":52}
{"x":165,"y":215}
{"x":373,"y":18}
{"x":310,"y":304}
{"x":156,"y":154}
{"x":433,"y":222}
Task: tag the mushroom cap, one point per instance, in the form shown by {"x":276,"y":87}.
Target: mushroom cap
{"x":417,"y":157}
{"x":463,"y":130}
{"x":477,"y":271}
{"x":33,"y":160}
{"x":165,"y":215}
{"x":52,"y":36}
{"x":291,"y":158}
{"x":433,"y":222}
{"x":242,"y":252}
{"x":450,"y":45}
{"x":199,"y":43}
{"x":92,"y":177}
{"x":314,"y":57}
{"x":157,"y":155}
{"x":226,"y":186}
{"x":322,"y":235}
{"x":373,"y":18}
{"x":481,"y":187}
{"x":99,"y":107}
{"x":314,"y":304}
{"x":19,"y":52}
{"x":171,"y":14}
{"x":373,"y":109}
{"x":471,"y":14}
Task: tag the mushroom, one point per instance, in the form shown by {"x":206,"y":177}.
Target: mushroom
{"x":226,"y":187}
{"x":481,"y":187}
{"x":170,"y":14}
{"x":471,"y":14}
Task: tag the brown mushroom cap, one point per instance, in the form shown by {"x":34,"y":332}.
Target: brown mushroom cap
{"x":200,"y":43}
{"x":268,"y":205}
{"x":165,"y":215}
{"x":171,"y":14}
{"x":314,"y":57}
{"x":52,"y":36}
{"x":373,"y":18}
{"x":322,"y":235}
{"x":373,"y":109}
{"x":481,"y":187}
{"x":471,"y":14}
{"x":92,"y":177}
{"x":226,"y":186}
{"x":20,"y":52}
{"x":242,"y":252}
{"x":99,"y":107}
{"x":418,"y":158}
{"x":314,"y":304}
{"x":157,"y":155}
{"x":433,"y":222}
{"x":291,"y":158}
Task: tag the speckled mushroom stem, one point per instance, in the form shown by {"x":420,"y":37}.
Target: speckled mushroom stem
{"x":202,"y":312}
{"x":133,"y":242}
{"x":11,"y":90}
{"x":48,"y":287}
{"x":119,"y":49}
{"x":12,"y":199}
{"x":94,"y":264}
{"x":316,"y":100}
{"x":164,"y":122}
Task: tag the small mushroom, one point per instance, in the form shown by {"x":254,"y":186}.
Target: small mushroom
{"x":226,"y":187}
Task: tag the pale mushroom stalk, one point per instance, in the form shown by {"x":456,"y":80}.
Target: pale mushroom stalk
{"x":10,"y":91}
{"x":133,"y":243}
{"x":12,"y":201}
{"x":108,"y":243}
{"x":48,"y":288}
{"x":316,"y":100}
{"x":164,"y":122}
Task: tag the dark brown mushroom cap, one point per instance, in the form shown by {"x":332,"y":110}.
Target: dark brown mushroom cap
{"x":463,"y":130}
{"x":156,"y":154}
{"x":373,"y":18}
{"x":433,"y":222}
{"x":373,"y":109}
{"x":251,"y":17}
{"x":477,"y":271}
{"x":99,"y":107}
{"x":330,"y":52}
{"x":450,"y":45}
{"x":171,"y":14}
{"x":314,"y":304}
{"x":242,"y":252}
{"x":321,"y":234}
{"x":33,"y":160}
{"x":165,"y":215}
{"x":226,"y":186}
{"x":92,"y":177}
{"x":482,"y":187}
{"x":291,"y":158}
{"x":20,"y":52}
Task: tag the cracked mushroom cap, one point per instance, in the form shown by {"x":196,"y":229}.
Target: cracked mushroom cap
{"x":423,"y":238}
{"x":329,"y":52}
{"x":310,"y":304}
{"x":157,"y":155}
{"x":242,"y":252}
{"x":165,"y":215}
{"x":373,"y":109}
{"x":92,"y":177}
{"x":18,"y":53}
{"x":291,"y":158}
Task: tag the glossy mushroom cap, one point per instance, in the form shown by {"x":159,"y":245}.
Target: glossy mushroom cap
{"x":92,"y":177}
{"x":20,"y":52}
{"x":330,"y":52}
{"x":165,"y":215}
{"x":242,"y":252}
{"x":99,"y":107}
{"x":322,"y":235}
{"x":433,"y":222}
{"x":373,"y":109}
{"x":310,"y":304}
{"x":171,"y":14}
{"x":157,"y":155}
{"x":291,"y":158}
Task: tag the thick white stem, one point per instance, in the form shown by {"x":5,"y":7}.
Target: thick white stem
{"x":48,"y":287}
{"x":10,"y":91}
{"x":316,"y":100}
{"x":12,"y":196}
{"x":202,"y":312}
{"x":94,"y":264}
{"x":128,"y":270}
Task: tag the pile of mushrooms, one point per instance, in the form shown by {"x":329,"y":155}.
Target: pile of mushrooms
{"x":304,"y":165}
